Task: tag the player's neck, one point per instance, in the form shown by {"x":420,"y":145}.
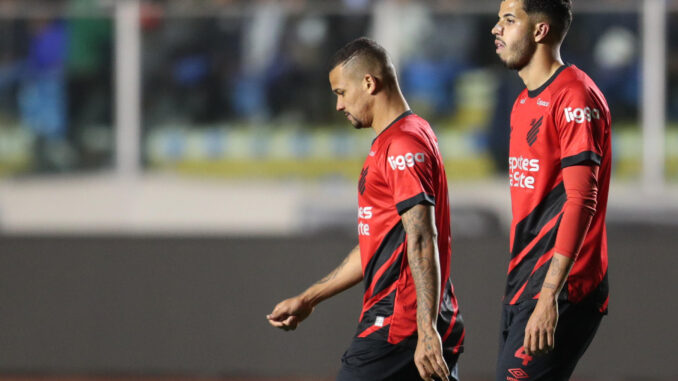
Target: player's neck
{"x":544,"y":63}
{"x":387,"y":110}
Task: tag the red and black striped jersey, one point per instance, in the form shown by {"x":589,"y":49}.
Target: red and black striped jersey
{"x":565,"y":122}
{"x":404,"y":168}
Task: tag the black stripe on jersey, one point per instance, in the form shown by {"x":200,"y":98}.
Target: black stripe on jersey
{"x":383,"y":308}
{"x":580,"y":158}
{"x":527,"y":229}
{"x":536,"y":282}
{"x":389,"y":276}
{"x":392,"y":240}
{"x":445,"y":318}
{"x":520,"y":274}
{"x":421,"y":198}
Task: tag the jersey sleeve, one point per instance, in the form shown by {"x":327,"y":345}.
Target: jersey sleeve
{"x":409,"y":172}
{"x":581,"y":188}
{"x":579,"y":120}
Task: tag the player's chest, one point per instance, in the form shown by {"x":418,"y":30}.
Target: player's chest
{"x":372,"y":186}
{"x":534,"y":146}
{"x":533,"y":130}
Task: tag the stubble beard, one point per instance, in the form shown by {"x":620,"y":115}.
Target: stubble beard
{"x":357,"y":124}
{"x":522,"y":53}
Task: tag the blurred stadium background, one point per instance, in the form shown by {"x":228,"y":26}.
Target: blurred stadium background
{"x":169,"y":170}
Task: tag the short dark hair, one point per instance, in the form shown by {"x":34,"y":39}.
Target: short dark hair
{"x":370,"y":53}
{"x":362,"y":46}
{"x":558,"y":12}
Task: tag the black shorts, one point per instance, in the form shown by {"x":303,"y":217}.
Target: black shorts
{"x":577,"y":325}
{"x":377,"y":360}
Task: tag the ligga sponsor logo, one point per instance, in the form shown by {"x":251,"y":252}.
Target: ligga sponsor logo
{"x":581,"y":115}
{"x":401,"y":162}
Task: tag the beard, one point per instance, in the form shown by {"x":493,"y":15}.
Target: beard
{"x":355,"y":122}
{"x":522,"y":53}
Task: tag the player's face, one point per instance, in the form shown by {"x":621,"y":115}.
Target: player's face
{"x":513,"y":35}
{"x":352,"y":99}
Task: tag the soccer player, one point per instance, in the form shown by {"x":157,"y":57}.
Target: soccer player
{"x":410,"y":327}
{"x":559,"y":174}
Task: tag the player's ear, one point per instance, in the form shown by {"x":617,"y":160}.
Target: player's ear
{"x":541,"y":31}
{"x":370,"y":84}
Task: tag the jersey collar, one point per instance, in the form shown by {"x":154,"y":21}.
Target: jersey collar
{"x":535,"y":92}
{"x":406,"y":113}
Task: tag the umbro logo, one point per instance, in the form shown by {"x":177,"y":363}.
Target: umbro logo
{"x":363,"y":180}
{"x":534,"y":131}
{"x":517,"y":373}
{"x":372,"y":153}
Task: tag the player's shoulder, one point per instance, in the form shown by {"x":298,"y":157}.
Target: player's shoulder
{"x":408,"y":126}
{"x":412,"y":123}
{"x":412,"y":130}
{"x":573,"y":81}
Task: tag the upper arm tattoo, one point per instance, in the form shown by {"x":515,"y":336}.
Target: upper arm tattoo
{"x":418,"y":221}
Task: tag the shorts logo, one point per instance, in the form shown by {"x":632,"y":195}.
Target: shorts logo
{"x":518,"y":373}
{"x":401,"y":162}
{"x":581,"y":115}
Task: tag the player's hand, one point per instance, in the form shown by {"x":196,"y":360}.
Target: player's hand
{"x":541,"y":327}
{"x":428,"y":357}
{"x":289,"y":313}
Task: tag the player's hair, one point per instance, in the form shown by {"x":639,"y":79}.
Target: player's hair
{"x":372,"y":55}
{"x":558,"y":13}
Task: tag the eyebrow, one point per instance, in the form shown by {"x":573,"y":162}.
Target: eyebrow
{"x":507,"y":14}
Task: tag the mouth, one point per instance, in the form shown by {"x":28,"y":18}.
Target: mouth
{"x":499,"y":44}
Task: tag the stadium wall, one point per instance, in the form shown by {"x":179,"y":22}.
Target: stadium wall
{"x":172,"y":305}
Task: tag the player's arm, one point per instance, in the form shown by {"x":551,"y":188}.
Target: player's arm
{"x":290,"y":312}
{"x":424,"y":262}
{"x":581,"y":187}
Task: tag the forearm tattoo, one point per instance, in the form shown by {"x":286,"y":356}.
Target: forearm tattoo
{"x":421,"y":254}
{"x":558,"y":270}
{"x":550,"y":286}
{"x":555,"y":266}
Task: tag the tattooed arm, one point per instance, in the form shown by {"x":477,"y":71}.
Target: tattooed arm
{"x":424,"y":262}
{"x":290,"y":312}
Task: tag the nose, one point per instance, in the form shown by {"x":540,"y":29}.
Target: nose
{"x":496,"y":30}
{"x":340,"y":105}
